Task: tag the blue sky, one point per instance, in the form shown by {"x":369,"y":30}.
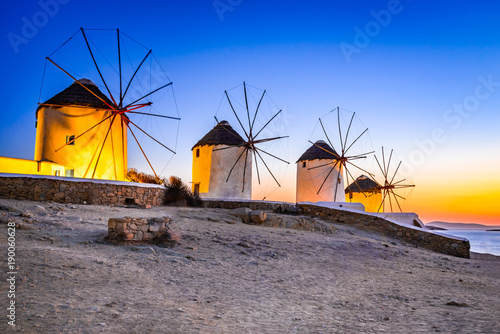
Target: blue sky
{"x":407,"y":73}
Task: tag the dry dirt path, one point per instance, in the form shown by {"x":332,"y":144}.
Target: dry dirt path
{"x":234,"y":278}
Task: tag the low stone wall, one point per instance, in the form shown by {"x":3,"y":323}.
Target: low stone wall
{"x":79,"y":191}
{"x":277,"y":207}
{"x":418,"y":236}
{"x":140,"y":230}
{"x":447,"y":245}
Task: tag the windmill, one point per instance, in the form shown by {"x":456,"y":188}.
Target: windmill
{"x":261,"y":130}
{"x":390,"y":186}
{"x":85,"y":127}
{"x":342,"y":159}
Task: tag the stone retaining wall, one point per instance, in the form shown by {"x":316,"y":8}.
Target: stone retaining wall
{"x":79,"y":191}
{"x":277,"y":207}
{"x":422,"y":238}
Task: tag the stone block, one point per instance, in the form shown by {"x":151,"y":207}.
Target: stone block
{"x":156,"y":227}
{"x":257,"y":217}
{"x":121,"y":227}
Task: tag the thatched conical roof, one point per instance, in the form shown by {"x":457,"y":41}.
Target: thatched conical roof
{"x":75,"y":94}
{"x":221,"y":134}
{"x":320,"y":150}
{"x":362,"y":184}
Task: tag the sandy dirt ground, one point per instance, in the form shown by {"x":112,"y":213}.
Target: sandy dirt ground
{"x":228,"y":277}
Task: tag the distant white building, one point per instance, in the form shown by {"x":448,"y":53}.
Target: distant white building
{"x":215,"y":158}
{"x":316,"y":181}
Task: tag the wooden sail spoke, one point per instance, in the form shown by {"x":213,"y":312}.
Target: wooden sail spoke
{"x":347,"y":179}
{"x":225,"y":129}
{"x":228,"y":147}
{"x":97,"y":67}
{"x":361,"y":169}
{"x":265,"y":125}
{"x":355,"y":182}
{"x":355,"y":140}
{"x":381,"y":169}
{"x":72,"y":77}
{"x":147,"y":134}
{"x":396,"y":172}
{"x":327,"y":138}
{"x":362,"y":155}
{"x":403,"y":198}
{"x":400,"y":186}
{"x":145,"y":156}
{"x":268,"y":139}
{"x":248,"y":111}
{"x":244,"y":170}
{"x":90,"y":162}
{"x":257,"y":111}
{"x":389,"y":165}
{"x":324,"y":149}
{"x":256,"y":165}
{"x":390,"y":201}
{"x":102,"y":147}
{"x":73,"y":140}
{"x":397,"y":202}
{"x":235,"y":114}
{"x":383,"y":201}
{"x":133,"y":76}
{"x":398,"y":182}
{"x":259,"y":149}
{"x":323,"y":165}
{"x":324,"y":181}
{"x":154,"y":115}
{"x":383,"y":163}
{"x":119,"y":65}
{"x":340,"y":131}
{"x":231,"y":170}
{"x":256,"y":151}
{"x":348,"y":129}
{"x":128,"y":105}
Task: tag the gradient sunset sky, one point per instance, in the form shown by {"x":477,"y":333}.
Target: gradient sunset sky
{"x":423,"y":76}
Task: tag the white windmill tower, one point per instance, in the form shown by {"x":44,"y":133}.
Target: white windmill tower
{"x":211,"y":170}
{"x":315,"y":181}
{"x":322,"y":168}
{"x":223,"y":160}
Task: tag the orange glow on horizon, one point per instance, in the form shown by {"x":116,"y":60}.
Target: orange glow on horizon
{"x":468,"y":201}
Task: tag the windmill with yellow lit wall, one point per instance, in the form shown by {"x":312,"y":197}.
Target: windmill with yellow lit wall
{"x":224,"y":160}
{"x":76,"y":129}
{"x":82,"y":131}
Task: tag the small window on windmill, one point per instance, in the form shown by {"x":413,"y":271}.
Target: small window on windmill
{"x":57,"y":173}
{"x":339,"y":180}
{"x":70,"y":140}
{"x":197,"y":152}
{"x":70,"y":173}
{"x":304,"y":164}
{"x":197,"y":188}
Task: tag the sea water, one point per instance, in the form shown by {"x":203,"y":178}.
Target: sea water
{"x":481,"y":241}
